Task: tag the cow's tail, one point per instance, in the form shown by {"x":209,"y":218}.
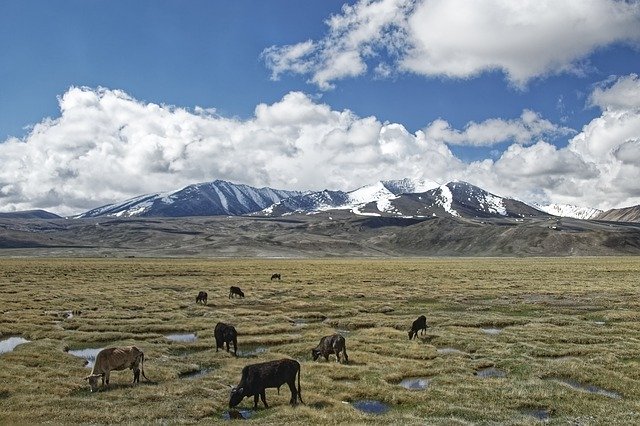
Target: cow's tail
{"x":299,"y":389}
{"x":142,"y":366}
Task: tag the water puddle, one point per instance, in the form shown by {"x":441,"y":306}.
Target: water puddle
{"x":182,"y":337}
{"x":542,"y":414}
{"x":8,"y":345}
{"x":251,"y":351}
{"x":370,"y":406}
{"x":492,"y":331}
{"x":599,"y":322}
{"x":450,"y":351}
{"x":89,"y":355}
{"x":415,"y":383}
{"x":491,"y":372}
{"x":237,"y":414}
{"x":342,"y":331}
{"x":192,"y":375}
{"x":588,"y":388}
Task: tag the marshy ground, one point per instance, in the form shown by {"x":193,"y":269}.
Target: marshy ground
{"x":510,"y":341}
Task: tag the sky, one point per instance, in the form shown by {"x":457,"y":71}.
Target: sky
{"x":101,"y":101}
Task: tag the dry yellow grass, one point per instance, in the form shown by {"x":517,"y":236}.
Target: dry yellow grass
{"x":557,"y":319}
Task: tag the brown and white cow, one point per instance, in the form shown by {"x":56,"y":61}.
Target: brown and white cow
{"x":115,"y":359}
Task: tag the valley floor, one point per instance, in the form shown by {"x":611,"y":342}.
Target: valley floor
{"x":510,"y":341}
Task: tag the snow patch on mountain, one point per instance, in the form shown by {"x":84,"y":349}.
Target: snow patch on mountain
{"x":446,"y":200}
{"x":568,"y":210}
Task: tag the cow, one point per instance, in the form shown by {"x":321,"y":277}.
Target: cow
{"x":225,"y":333}
{"x":275,"y":277}
{"x":235,"y":291}
{"x":202,"y":297}
{"x":328,"y":345}
{"x":419,"y":324}
{"x":272,"y":374}
{"x":115,"y":359}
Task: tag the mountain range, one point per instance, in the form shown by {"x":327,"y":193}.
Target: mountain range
{"x":400,"y":198}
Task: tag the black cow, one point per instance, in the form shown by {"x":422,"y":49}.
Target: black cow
{"x":235,"y":291}
{"x":224,"y":333}
{"x":272,"y":374}
{"x":275,"y":277}
{"x":202,"y":297}
{"x":419,"y":324}
{"x":328,"y":345}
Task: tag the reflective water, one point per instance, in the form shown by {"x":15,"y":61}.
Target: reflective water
{"x":192,"y":375}
{"x":251,"y":351}
{"x":491,"y":372}
{"x":237,"y":414}
{"x":492,"y":331}
{"x":415,"y":383}
{"x":370,"y":406}
{"x":89,"y":354}
{"x":588,"y":388}
{"x":9,"y":344}
{"x":449,"y":351}
{"x":182,"y":337}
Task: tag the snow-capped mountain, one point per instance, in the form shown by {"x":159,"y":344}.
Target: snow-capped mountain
{"x":380,"y":193}
{"x":407,"y":198}
{"x":458,"y":199}
{"x":568,"y":210}
{"x":203,"y":199}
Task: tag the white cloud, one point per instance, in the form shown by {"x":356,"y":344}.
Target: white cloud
{"x":460,"y":39}
{"x":106,"y":146}
{"x":528,"y":128}
{"x":623,"y":94}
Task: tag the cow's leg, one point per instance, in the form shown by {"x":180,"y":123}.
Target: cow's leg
{"x":263,"y":396}
{"x":255,"y":401}
{"x":326,"y":357}
{"x":136,"y":375}
{"x":227,"y":343}
{"x":346,"y":357}
{"x":337,"y":356}
{"x":217,"y":344}
{"x":294,"y":392}
{"x":106,"y":377}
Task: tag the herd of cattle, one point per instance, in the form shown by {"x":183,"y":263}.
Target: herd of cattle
{"x":255,"y":377}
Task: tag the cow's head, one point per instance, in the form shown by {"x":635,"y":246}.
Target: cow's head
{"x":236,"y":396}
{"x":411,"y":333}
{"x":315,"y":354}
{"x":93,"y":381}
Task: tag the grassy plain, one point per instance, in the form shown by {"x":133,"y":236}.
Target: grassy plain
{"x":557,"y":319}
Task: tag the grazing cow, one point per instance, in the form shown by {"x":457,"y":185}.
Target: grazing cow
{"x":328,"y":345}
{"x":272,"y":374}
{"x":419,"y":324}
{"x":235,"y":291}
{"x":202,"y":297}
{"x":275,"y":277}
{"x":225,"y":333}
{"x":115,"y":359}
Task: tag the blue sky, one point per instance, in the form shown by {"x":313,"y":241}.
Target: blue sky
{"x":533,"y":99}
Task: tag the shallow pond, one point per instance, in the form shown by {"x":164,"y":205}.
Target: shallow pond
{"x":9,"y":344}
{"x":237,"y":414}
{"x":588,"y":388}
{"x":89,"y":354}
{"x":450,"y":351}
{"x":251,"y":351}
{"x":492,"y":331}
{"x":192,"y":375}
{"x":491,"y":372}
{"x":370,"y":406}
{"x":182,"y":337}
{"x":541,"y":414}
{"x":415,"y":383}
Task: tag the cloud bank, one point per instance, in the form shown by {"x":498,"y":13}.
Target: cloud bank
{"x":459,"y":39}
{"x":107,"y":146}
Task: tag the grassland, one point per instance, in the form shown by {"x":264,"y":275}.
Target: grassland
{"x":556,"y":319}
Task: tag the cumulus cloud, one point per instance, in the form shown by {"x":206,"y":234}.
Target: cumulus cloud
{"x":528,"y":128}
{"x":106,"y":146}
{"x":460,"y":39}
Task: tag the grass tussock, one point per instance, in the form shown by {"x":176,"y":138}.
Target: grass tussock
{"x":541,"y":321}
